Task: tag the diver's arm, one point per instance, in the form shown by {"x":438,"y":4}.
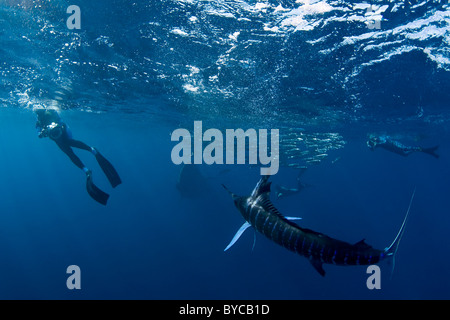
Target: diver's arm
{"x":45,"y":131}
{"x":42,"y":132}
{"x":40,"y":129}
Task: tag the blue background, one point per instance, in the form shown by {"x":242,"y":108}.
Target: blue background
{"x":124,"y":92}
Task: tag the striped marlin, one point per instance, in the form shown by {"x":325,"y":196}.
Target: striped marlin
{"x":260,"y":213}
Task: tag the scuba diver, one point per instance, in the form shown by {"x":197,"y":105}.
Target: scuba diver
{"x":282,"y":192}
{"x":396,"y":147}
{"x":49,"y":124}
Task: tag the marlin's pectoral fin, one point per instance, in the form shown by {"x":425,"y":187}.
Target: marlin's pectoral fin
{"x":238,"y":235}
{"x":317,"y":264}
{"x":293,"y":218}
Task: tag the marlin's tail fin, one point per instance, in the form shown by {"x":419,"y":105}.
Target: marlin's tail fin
{"x":431,"y":151}
{"x":392,"y":249}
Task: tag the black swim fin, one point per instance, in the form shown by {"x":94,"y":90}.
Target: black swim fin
{"x":108,"y":169}
{"x":431,"y":151}
{"x":97,"y":194}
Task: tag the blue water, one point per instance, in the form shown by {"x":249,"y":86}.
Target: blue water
{"x":136,"y":71}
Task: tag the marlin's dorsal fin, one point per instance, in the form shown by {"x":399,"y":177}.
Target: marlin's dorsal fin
{"x":262,"y":187}
{"x":362,"y":244}
{"x":262,"y":193}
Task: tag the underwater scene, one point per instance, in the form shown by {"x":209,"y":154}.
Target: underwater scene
{"x":224,"y":150}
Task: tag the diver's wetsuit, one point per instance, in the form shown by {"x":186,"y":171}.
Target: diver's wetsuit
{"x":60,"y":134}
{"x":394,"y":146}
{"x":49,"y":124}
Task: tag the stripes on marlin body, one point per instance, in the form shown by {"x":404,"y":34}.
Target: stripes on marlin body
{"x":259,"y":212}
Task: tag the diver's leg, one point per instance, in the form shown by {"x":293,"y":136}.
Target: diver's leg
{"x":80,"y":145}
{"x":106,"y":166}
{"x":408,"y":150}
{"x":97,"y":194}
{"x":68,"y":150}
